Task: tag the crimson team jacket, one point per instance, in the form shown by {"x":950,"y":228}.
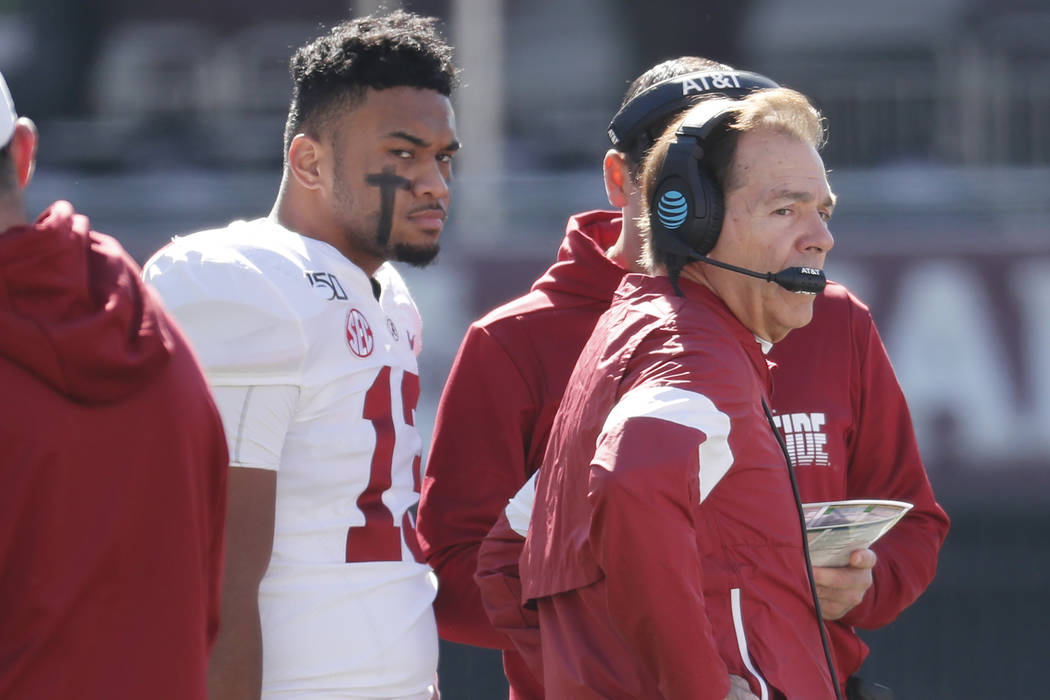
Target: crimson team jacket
{"x":113,"y":468}
{"x":665,"y":514}
{"x":833,"y":381}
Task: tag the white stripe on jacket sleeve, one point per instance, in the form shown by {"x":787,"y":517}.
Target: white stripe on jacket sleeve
{"x":686,"y":408}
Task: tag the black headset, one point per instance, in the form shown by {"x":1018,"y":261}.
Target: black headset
{"x":629,"y":131}
{"x":686,"y":209}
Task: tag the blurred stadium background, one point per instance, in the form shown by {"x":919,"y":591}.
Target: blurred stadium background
{"x":158,"y":117}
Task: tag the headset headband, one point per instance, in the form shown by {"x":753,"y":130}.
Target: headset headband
{"x":669,"y":96}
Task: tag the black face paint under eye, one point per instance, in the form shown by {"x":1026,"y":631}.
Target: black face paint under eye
{"x":388,"y":183}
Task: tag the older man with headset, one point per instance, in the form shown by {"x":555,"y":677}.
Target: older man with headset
{"x":509,"y":382}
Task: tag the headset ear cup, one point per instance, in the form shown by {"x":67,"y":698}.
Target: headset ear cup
{"x":670,"y":214}
{"x":704,"y":237}
{"x":687,"y":208}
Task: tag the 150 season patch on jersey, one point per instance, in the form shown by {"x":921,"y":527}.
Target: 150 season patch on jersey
{"x":328,"y":282}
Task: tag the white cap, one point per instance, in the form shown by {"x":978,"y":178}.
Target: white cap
{"x":7,"y":113}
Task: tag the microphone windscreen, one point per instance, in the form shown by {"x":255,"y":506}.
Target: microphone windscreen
{"x":805,"y":280}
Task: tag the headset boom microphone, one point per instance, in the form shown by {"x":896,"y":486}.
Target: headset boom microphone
{"x":803,"y":280}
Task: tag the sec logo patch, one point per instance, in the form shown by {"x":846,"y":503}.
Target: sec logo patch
{"x":359,"y":334}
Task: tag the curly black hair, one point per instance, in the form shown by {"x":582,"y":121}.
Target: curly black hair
{"x":399,"y":49}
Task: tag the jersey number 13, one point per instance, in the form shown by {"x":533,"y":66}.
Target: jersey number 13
{"x":379,"y":539}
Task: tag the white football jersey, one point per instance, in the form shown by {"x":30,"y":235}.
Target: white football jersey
{"x":345,"y":604}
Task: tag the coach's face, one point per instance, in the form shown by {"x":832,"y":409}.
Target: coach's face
{"x":776,"y":217}
{"x":387,"y":175}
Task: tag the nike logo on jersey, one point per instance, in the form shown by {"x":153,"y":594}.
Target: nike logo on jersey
{"x":327,"y":282}
{"x":805,"y":438}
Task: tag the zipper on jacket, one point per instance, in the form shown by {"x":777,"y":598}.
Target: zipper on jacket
{"x":741,"y":643}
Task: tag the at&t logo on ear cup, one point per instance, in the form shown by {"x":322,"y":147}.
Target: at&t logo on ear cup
{"x":672,"y":209}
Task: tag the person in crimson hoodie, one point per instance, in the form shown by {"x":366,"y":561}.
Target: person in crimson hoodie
{"x":512,"y":369}
{"x":112,"y":465}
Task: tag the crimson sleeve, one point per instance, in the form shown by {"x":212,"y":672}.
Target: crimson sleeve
{"x":643,"y":535}
{"x":884,"y":462}
{"x":499,"y":581}
{"x":476,"y":463}
{"x":217,"y":550}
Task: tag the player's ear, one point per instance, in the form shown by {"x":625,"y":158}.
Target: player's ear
{"x":23,"y":150}
{"x":304,"y":161}
{"x":618,"y":183}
